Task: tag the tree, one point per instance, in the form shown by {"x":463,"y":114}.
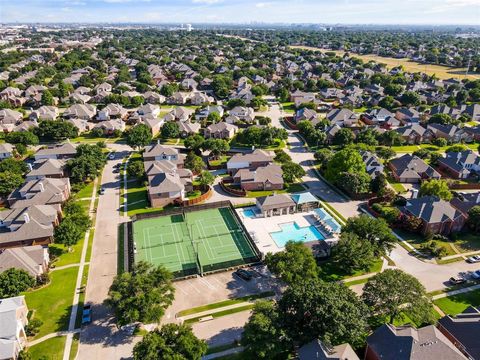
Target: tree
{"x":368,"y":136}
{"x":355,"y":183}
{"x":391,"y":138}
{"x":282,"y":157}
{"x":385,"y":153}
{"x":206,"y":178}
{"x":194,"y":142}
{"x":67,"y":233}
{"x":295,"y":264}
{"x":345,"y":160}
{"x":14,"y":281}
{"x":410,"y":98}
{"x":88,"y":162}
{"x":330,"y":311}
{"x":374,"y":230}
{"x":443,"y":119}
{"x":47,"y":98}
{"x":214,"y":117}
{"x":9,"y":181}
{"x":437,"y":188}
{"x":170,"y":130}
{"x":141,"y":295}
{"x":323,"y":156}
{"x":263,"y":337}
{"x":344,"y":136}
{"x":393,"y":292}
{"x":171,"y":342}
{"x":136,"y":170}
{"x":217,"y":147}
{"x":22,"y":137}
{"x":55,"y":130}
{"x":353,"y":253}
{"x":292,"y":171}
{"x":474,"y":218}
{"x":456,"y":148}
{"x":194,"y":162}
{"x":139,"y":136}
{"x":379,"y":184}
{"x":14,"y":166}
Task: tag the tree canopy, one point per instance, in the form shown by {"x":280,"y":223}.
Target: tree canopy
{"x":14,"y":281}
{"x":139,"y":136}
{"x":437,"y":188}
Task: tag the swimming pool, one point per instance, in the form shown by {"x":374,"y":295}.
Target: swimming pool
{"x":291,"y":231}
{"x":249,"y":213}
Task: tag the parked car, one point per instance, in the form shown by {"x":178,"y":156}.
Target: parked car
{"x":87,"y":314}
{"x":102,"y":191}
{"x":456,"y":280}
{"x":111,"y":156}
{"x":473,"y":259}
{"x":476,"y":274}
{"x":244,"y":274}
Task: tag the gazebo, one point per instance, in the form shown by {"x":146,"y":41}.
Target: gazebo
{"x":305,"y":201}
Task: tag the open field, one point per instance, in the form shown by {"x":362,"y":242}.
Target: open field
{"x":442,"y":72}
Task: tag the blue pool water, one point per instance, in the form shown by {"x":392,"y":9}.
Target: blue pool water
{"x":249,"y":213}
{"x":291,"y":231}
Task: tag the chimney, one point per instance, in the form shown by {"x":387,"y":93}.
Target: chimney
{"x":158,"y":142}
{"x":26,"y":218}
{"x":459,"y":155}
{"x":42,"y":188}
{"x":414,"y":193}
{"x":478,"y":198}
{"x":30,"y":168}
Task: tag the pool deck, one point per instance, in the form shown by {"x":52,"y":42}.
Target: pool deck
{"x":262,"y":227}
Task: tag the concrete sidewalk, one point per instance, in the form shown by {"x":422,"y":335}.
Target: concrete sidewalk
{"x":456,"y":292}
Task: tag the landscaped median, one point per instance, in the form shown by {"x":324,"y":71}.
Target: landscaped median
{"x":221,"y":308}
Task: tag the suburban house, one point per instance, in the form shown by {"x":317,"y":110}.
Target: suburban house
{"x":316,"y":350}
{"x":46,"y":168}
{"x":275,"y":204}
{"x":463,"y":330}
{"x":6,"y":151}
{"x":465,"y":201}
{"x":269,"y":177}
{"x":342,"y":117}
{"x":46,"y":191}
{"x":372,"y":163}
{"x":408,"y":115}
{"x":408,"y":343}
{"x":438,"y":216}
{"x":112,"y":111}
{"x":243,"y":113}
{"x":450,"y":133}
{"x":178,"y":114}
{"x":13,"y":320}
{"x":200,"y":98}
{"x":60,"y":152}
{"x":166,"y":188}
{"x":80,"y":111}
{"x":109,"y":127}
{"x":220,"y":130}
{"x":257,"y":158}
{"x":28,"y":226}
{"x":377,"y":116}
{"x":153,"y":123}
{"x":415,"y":134}
{"x":300,"y":97}
{"x":44,"y":113}
{"x":202,"y":114}
{"x":81,"y":125}
{"x":306,"y":114}
{"x":32,"y":259}
{"x":9,"y":119}
{"x":411,"y":169}
{"x":160,"y":153}
{"x":149,"y":109}
{"x":460,"y":165}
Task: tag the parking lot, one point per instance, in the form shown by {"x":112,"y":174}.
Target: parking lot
{"x":218,"y":287}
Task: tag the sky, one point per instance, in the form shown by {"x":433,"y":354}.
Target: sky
{"x":244,"y":11}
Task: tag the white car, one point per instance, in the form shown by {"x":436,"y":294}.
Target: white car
{"x":473,"y":259}
{"x":476,"y":274}
{"x":111,"y":156}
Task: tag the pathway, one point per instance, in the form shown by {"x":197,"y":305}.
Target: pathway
{"x":223,"y":353}
{"x":217,"y":310}
{"x":52,"y":335}
{"x":76,"y":296}
{"x":456,"y":292}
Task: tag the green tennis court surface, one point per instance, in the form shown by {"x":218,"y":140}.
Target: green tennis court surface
{"x":196,"y":242}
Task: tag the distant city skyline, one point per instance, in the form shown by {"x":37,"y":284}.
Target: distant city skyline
{"x":434,"y":12}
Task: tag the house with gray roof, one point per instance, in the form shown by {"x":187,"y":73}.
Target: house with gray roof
{"x":6,"y":151}
{"x":275,"y":204}
{"x":13,"y":320}
{"x":80,"y":111}
{"x":411,"y":169}
{"x":33,"y":259}
{"x":46,"y":168}
{"x":221,"y":130}
{"x":465,"y":201}
{"x":438,"y":216}
{"x":372,"y":163}
{"x":317,"y":350}
{"x":408,"y":343}
{"x":342,"y":117}
{"x":253,"y":160}
{"x":450,"y":133}
{"x":44,"y":113}
{"x":415,"y":134}
{"x":268,"y":177}
{"x":59,"y":152}
{"x":160,"y":153}
{"x":46,"y":191}
{"x":460,"y":164}
{"x":463,"y":331}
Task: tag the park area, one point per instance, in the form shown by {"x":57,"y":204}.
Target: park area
{"x":193,"y":242}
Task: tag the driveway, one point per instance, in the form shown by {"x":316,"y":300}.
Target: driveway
{"x":101,"y":339}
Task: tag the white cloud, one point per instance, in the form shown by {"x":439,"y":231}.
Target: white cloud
{"x":263,"y":4}
{"x":207,"y":2}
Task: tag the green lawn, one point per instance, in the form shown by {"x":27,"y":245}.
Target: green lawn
{"x":52,"y":303}
{"x":81,"y":298}
{"x":51,"y":349}
{"x":85,"y":204}
{"x":398,"y":187}
{"x":85,"y":192}
{"x":74,"y":348}
{"x":466,"y":242}
{"x":65,"y":257}
{"x":221,"y":304}
{"x":416,"y":240}
{"x":453,"y":305}
{"x":222,"y":313}
{"x":121,"y":248}
{"x":220,"y":161}
{"x":137,"y":197}
{"x":296,"y":187}
{"x":405,"y":148}
{"x":289,"y":107}
{"x":329,"y":271}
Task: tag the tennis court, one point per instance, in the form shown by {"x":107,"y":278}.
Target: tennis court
{"x":193,"y":242}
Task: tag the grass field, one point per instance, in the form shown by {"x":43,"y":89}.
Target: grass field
{"x":442,"y":72}
{"x":53,"y":347}
{"x":200,"y":241}
{"x":52,"y":303}
{"x":456,"y":304}
{"x":329,"y":271}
